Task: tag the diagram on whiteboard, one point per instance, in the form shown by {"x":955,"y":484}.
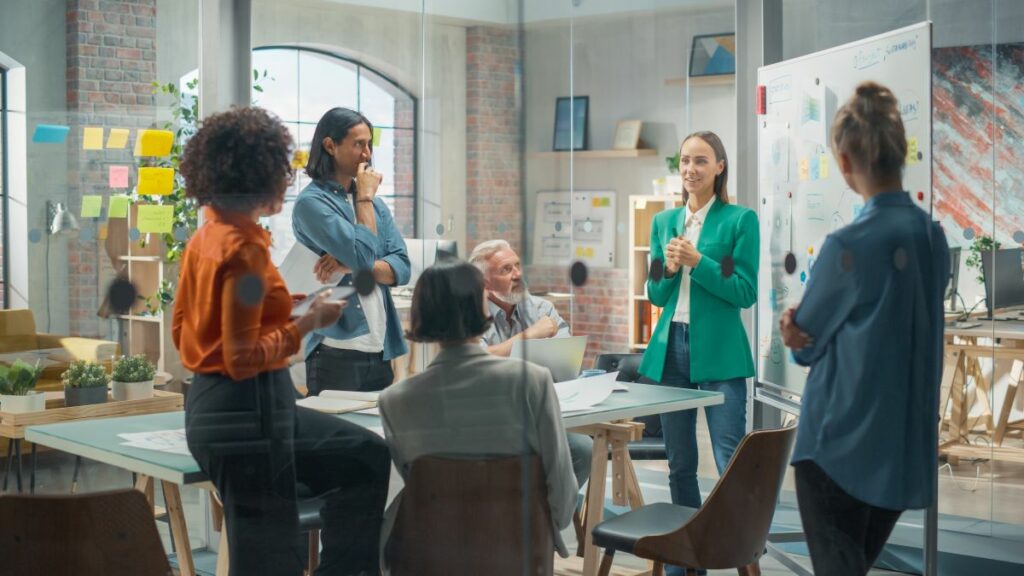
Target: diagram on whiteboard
{"x":575,"y":226}
{"x":802,"y":196}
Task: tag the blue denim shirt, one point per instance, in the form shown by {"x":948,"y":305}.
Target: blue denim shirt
{"x":873,"y":304}
{"x":325,"y":222}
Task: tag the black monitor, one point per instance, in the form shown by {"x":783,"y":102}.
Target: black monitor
{"x":954,"y":277}
{"x":1003,"y":271}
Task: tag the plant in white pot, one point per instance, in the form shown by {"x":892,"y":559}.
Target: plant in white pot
{"x":132,"y":378}
{"x":84,"y":383}
{"x":17,"y":388}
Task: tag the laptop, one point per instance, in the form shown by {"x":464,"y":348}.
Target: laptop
{"x":562,"y":356}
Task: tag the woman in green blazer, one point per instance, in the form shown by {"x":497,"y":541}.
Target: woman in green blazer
{"x":704,"y":259}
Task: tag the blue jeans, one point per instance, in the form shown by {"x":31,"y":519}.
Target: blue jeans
{"x":727,"y":423}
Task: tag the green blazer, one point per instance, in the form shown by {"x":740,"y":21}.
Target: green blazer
{"x":719,"y":348}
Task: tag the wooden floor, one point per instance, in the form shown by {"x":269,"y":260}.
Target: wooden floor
{"x":573,"y":566}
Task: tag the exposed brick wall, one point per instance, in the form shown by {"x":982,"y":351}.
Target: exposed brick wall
{"x":405,"y":182}
{"x":493,"y":175}
{"x":111,"y":64}
{"x":599,"y":309}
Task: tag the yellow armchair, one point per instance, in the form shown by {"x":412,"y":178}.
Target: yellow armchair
{"x":18,"y":334}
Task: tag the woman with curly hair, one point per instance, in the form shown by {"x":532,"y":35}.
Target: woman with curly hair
{"x":234,"y":328}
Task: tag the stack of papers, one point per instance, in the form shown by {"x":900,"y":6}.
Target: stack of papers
{"x":170,"y":441}
{"x":585,"y":393}
{"x":297,"y":271}
{"x":341,"y":401}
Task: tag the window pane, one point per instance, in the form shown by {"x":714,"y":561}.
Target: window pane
{"x":279,"y":87}
{"x":281,"y":236}
{"x":324,"y":83}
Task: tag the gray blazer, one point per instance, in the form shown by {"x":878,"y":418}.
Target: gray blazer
{"x":468,"y":402}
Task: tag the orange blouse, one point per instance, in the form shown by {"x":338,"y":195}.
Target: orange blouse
{"x":232,"y":309}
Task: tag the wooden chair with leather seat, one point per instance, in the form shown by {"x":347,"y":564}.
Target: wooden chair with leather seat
{"x":729,"y":531}
{"x":95,"y":534}
{"x":470,"y":516}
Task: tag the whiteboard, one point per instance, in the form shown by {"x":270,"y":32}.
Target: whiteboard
{"x":577,"y":226}
{"x":802,"y":197}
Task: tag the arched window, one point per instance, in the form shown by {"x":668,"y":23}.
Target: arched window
{"x":300,"y":84}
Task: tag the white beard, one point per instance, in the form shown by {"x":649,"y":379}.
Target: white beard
{"x":513,"y":298}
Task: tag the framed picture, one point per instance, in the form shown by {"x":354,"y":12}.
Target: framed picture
{"x":571,"y":115}
{"x":713,"y":55}
{"x":627,"y":135}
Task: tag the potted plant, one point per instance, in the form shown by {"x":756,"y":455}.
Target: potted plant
{"x":17,"y":388}
{"x":132,"y":378}
{"x":84,"y":383}
{"x":674,"y":180}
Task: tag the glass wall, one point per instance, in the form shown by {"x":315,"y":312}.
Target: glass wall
{"x":541,"y":138}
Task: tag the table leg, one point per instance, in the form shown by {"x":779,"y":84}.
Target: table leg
{"x":74,"y":474}
{"x":1012,"y":389}
{"x":10,"y":462}
{"x":17,"y":455}
{"x":179,"y":532}
{"x":223,"y":559}
{"x":32,"y":472}
{"x":595,"y":501}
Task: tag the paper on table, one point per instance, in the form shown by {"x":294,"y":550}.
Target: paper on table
{"x":585,"y":393}
{"x":297,"y":271}
{"x":170,"y":441}
{"x":334,"y":405}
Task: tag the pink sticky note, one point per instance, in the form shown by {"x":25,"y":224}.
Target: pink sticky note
{"x":118,"y":176}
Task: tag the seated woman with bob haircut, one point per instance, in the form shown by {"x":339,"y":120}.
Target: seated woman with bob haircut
{"x":469,"y":402}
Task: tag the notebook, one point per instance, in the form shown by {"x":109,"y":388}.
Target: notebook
{"x":340,"y":401}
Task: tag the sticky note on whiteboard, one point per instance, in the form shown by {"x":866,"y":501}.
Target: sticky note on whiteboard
{"x":92,"y":138}
{"x":153,"y":142}
{"x":156,"y":181}
{"x":154,"y":218}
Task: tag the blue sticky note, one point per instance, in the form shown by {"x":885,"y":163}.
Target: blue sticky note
{"x":50,"y":133}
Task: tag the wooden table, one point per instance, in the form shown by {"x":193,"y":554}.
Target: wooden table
{"x":998,"y":340}
{"x":608,"y":423}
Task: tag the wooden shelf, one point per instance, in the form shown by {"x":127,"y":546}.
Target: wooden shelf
{"x":642,"y":248}
{"x":139,"y":318}
{"x":635,"y":153}
{"x":639,"y":298}
{"x":722,"y":80}
{"x":142,"y":258}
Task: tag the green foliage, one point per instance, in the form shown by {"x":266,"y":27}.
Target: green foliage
{"x":133,"y":369}
{"x":980,"y":244}
{"x":672,"y":163}
{"x":19,"y":378}
{"x":84,"y":374}
{"x":184,"y":123}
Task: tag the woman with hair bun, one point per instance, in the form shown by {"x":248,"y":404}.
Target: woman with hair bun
{"x":870,"y":326}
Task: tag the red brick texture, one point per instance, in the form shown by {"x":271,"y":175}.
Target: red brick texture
{"x":111,"y":64}
{"x":493,"y":169}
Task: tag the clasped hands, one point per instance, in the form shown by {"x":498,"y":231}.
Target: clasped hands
{"x":792,"y":336}
{"x":678,"y":253}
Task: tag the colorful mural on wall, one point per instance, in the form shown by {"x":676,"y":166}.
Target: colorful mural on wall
{"x":978,"y":142}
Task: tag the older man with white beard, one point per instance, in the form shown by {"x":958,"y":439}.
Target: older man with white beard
{"x":520,"y":315}
{"x":517,"y":313}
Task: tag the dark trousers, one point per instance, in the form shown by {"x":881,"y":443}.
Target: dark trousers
{"x":336,"y":369}
{"x":255,"y":445}
{"x":845,"y":535}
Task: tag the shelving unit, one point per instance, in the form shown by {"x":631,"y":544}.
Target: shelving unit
{"x":143,"y":266}
{"x":597,"y":154}
{"x":641,"y":213}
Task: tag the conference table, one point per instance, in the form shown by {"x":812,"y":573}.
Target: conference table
{"x":609,"y":423}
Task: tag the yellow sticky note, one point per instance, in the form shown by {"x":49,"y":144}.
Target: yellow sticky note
{"x":102,"y":231}
{"x":92,"y":138}
{"x":912,"y":150}
{"x":118,"y":138}
{"x":588,"y":252}
{"x":805,"y":169}
{"x":153,"y":142}
{"x":376,"y":136}
{"x":91,"y":206}
{"x":579,"y":251}
{"x":598,"y":202}
{"x":155,"y":218}
{"x":823,"y":167}
{"x":118,"y":207}
{"x":158,"y":181}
